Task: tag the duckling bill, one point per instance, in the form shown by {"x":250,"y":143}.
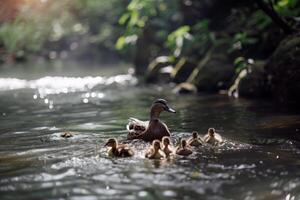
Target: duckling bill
{"x":154,"y":129}
{"x":118,"y":150}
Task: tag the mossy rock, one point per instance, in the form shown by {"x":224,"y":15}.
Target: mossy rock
{"x":215,"y":75}
{"x":250,"y":82}
{"x":185,"y":88}
{"x":182,"y":70}
{"x":283,"y":71}
{"x":159,"y":70}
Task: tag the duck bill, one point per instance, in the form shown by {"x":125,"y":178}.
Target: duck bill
{"x":106,"y":144}
{"x":171,"y":110}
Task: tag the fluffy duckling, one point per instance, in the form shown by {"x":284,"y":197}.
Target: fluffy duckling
{"x":118,"y":150}
{"x":183,"y":150}
{"x":195,"y":140}
{"x":167,"y":148}
{"x":66,"y":134}
{"x":155,"y":151}
{"x":212,"y":137}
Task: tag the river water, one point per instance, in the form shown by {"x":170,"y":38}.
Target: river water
{"x":260,"y":158}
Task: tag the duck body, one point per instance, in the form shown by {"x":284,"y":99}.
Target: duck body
{"x":183,"y":149}
{"x":212,"y":137}
{"x":167,"y":147}
{"x":195,"y":140}
{"x":167,"y":150}
{"x":155,"y":151}
{"x":152,"y":129}
{"x":118,"y":150}
{"x":152,"y":154}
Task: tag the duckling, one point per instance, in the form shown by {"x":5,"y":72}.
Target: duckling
{"x":152,"y":129}
{"x":195,"y":140}
{"x":167,"y":148}
{"x":183,"y":150}
{"x":66,"y":134}
{"x":118,"y":150}
{"x":212,"y":137}
{"x":178,"y":143}
{"x":155,"y":151}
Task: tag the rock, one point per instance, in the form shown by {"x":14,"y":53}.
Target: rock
{"x":283,"y":71}
{"x":185,"y":88}
{"x":250,"y":82}
{"x":216,"y":74}
{"x":182,"y":70}
{"x":159,"y":70}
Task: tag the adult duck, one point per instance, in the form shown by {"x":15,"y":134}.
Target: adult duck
{"x":118,"y":150}
{"x":152,"y":129}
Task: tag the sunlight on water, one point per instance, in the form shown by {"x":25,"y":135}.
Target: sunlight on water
{"x":56,"y":85}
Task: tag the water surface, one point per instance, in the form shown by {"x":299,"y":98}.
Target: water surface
{"x":260,"y":159}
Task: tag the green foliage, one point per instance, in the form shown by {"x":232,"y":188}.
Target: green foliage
{"x":21,"y":36}
{"x":176,"y":39}
{"x":137,"y":14}
{"x":240,"y":63}
{"x":32,"y":27}
{"x":240,"y":40}
{"x":288,"y":8}
{"x":117,"y":25}
{"x":36,"y":24}
{"x":142,"y":13}
{"x":100,"y":18}
{"x":202,"y":40}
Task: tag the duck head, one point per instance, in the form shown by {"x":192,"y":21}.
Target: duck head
{"x":211,"y":132}
{"x":195,"y":134}
{"x":183,"y":143}
{"x":112,"y":142}
{"x":166,"y":141}
{"x":159,"y":106}
{"x":156,"y":145}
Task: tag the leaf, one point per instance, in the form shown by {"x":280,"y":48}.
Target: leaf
{"x":124,"y":18}
{"x":120,"y":43}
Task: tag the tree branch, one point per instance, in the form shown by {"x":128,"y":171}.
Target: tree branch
{"x":275,"y":17}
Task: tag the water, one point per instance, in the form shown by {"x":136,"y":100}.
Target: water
{"x":260,"y":159}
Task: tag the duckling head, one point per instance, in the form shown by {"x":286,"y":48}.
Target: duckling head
{"x":160,"y":105}
{"x":156,"y":145}
{"x":183,"y":143}
{"x":195,"y":134}
{"x":111,"y":142}
{"x":211,"y":132}
{"x":166,"y":141}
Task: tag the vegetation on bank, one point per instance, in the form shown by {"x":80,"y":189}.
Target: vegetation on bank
{"x":200,"y":45}
{"x":74,"y":29}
